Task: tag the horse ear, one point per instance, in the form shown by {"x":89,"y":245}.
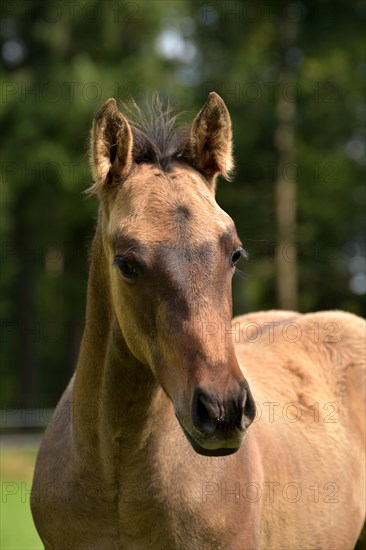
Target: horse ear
{"x":210,"y":140}
{"x":111,"y":145}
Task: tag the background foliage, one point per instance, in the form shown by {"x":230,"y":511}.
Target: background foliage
{"x":62,"y":59}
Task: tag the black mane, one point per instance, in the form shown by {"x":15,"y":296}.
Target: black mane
{"x":157,"y":139}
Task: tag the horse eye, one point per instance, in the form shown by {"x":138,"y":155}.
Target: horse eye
{"x":235,"y":257}
{"x":129,"y":269}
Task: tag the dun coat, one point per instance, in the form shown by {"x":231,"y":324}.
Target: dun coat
{"x":181,"y":428}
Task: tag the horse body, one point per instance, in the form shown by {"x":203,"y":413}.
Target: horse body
{"x":149,"y":446}
{"x":311,"y":432}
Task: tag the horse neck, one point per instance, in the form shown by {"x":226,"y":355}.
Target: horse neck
{"x":111,"y":387}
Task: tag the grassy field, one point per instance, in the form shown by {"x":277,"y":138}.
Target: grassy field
{"x":17,"y":531}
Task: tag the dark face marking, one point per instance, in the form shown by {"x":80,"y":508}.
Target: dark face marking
{"x":171,"y":274}
{"x":185,"y":274}
{"x":179,"y":274}
{"x":182,"y":212}
{"x":124,"y":245}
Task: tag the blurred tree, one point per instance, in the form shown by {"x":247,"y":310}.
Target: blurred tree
{"x":286,"y":179}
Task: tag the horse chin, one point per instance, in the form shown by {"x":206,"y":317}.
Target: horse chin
{"x":220,"y":451}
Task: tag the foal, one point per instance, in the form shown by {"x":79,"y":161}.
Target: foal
{"x":149,"y":446}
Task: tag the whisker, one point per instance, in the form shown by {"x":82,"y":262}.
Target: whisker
{"x":240,"y":273}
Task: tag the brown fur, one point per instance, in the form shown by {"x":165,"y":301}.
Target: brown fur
{"x":115,"y":469}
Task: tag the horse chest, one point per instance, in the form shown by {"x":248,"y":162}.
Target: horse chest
{"x":156,"y":508}
{"x":166,"y":501}
{"x":166,"y":517}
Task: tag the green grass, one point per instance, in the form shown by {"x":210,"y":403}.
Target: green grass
{"x":17,"y":531}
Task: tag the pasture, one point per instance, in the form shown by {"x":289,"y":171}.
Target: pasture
{"x":17,"y":531}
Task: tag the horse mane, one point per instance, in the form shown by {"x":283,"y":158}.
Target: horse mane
{"x":157,"y":137}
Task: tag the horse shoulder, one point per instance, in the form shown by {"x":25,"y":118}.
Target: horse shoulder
{"x":52,"y":466}
{"x":315,"y":358}
{"x":341,"y":352}
{"x":336,"y":340}
{"x":307,"y":376}
{"x":69,"y":493}
{"x":322,"y":346}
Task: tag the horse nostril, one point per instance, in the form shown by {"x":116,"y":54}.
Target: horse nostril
{"x":235,"y":411}
{"x":248,"y":407}
{"x":205,"y":411}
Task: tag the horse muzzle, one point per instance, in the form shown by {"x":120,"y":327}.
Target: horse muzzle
{"x":217,"y":426}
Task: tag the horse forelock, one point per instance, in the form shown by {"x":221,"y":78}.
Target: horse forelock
{"x":157,"y":137}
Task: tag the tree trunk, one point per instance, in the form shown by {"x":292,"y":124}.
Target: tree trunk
{"x":285,"y":185}
{"x":26,"y":322}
